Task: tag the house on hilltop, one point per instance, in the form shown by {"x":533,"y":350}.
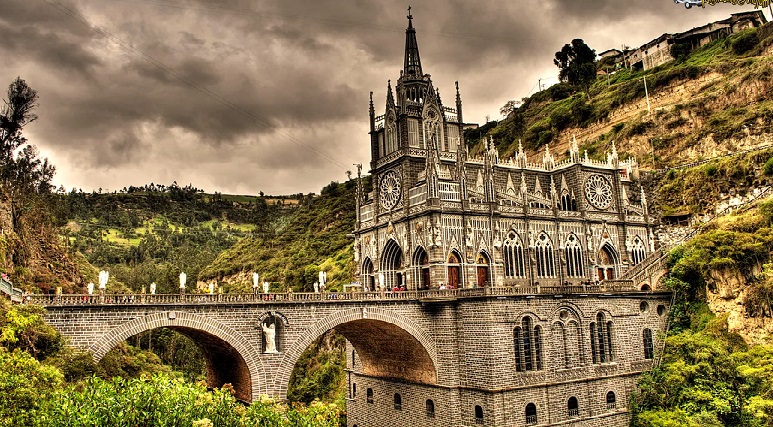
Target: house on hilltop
{"x":658,"y":51}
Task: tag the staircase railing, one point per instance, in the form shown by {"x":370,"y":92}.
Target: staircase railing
{"x":7,"y":288}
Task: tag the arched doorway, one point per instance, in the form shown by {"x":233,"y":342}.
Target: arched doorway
{"x":607,"y":261}
{"x":367,"y":275}
{"x":421,"y":269}
{"x":483,"y":272}
{"x":392,"y":264}
{"x":454,"y":268}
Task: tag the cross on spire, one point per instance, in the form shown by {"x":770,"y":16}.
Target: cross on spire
{"x":412,"y":65}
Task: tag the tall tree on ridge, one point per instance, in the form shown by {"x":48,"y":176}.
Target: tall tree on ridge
{"x":577,"y":64}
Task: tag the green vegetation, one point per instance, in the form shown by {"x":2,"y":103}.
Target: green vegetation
{"x":697,"y":189}
{"x":542,"y":117}
{"x":319,"y":372}
{"x":708,"y":375}
{"x":313,"y":237}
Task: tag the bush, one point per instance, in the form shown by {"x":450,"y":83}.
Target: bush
{"x":745,"y":42}
{"x":768,"y":168}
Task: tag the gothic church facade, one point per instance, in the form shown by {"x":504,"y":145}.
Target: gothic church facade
{"x":440,"y":217}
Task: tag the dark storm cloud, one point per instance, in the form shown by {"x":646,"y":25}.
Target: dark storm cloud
{"x":243,"y":96}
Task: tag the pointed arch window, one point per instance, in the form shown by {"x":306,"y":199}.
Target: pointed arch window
{"x":367,"y":274}
{"x":568,"y":202}
{"x":573,"y":407}
{"x":638,"y":252}
{"x":611,"y":400}
{"x":527,"y":346}
{"x":413,"y":133}
{"x":391,"y":134}
{"x":512,"y":249}
{"x":574,"y":261}
{"x":546,"y":264}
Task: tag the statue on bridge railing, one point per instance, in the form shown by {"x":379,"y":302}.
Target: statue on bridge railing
{"x":269,"y":334}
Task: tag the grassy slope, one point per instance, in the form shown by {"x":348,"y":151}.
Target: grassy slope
{"x":687,"y":111}
{"x":314,"y":237}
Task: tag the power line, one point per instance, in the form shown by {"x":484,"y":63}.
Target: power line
{"x":191,"y":83}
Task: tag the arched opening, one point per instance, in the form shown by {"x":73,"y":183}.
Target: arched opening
{"x":573,"y":407}
{"x":368,"y":282}
{"x":513,"y":254}
{"x":483,"y":273}
{"x":646,"y":287}
{"x":388,"y":348}
{"x":391,"y":265}
{"x":398,"y":401}
{"x":574,"y":260}
{"x":430,"y":406}
{"x":454,"y":270}
{"x":649,"y":348}
{"x":531,"y":414}
{"x":228,"y":359}
{"x":478,"y":414}
{"x":546,"y":264}
{"x":638,"y":252}
{"x":611,"y":400}
{"x":607,"y":262}
{"x":421,"y":268}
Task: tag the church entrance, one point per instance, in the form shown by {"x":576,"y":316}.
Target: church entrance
{"x":454,"y":271}
{"x":391,"y":265}
{"x":483,"y":270}
{"x":607,"y":260}
{"x":421,"y":268}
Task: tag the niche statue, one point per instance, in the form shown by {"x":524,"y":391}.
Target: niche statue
{"x":269,"y":334}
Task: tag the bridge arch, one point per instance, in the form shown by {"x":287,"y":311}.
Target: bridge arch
{"x":237,"y":362}
{"x":388,"y":344}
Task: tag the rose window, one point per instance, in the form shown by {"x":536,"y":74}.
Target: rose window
{"x":598,"y":191}
{"x":389,"y":190}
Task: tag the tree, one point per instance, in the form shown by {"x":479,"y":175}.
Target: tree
{"x":576,"y":64}
{"x":509,"y":107}
{"x":22,"y":173}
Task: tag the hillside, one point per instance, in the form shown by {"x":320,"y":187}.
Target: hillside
{"x":715,"y":100}
{"x":313,"y":238}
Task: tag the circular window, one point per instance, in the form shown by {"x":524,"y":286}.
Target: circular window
{"x":644,"y":306}
{"x":598,"y":191}
{"x":389,"y":190}
{"x":661,"y":310}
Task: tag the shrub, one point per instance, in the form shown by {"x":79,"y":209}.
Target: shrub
{"x":768,"y":168}
{"x":745,"y":42}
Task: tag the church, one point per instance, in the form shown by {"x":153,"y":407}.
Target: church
{"x":439,"y":217}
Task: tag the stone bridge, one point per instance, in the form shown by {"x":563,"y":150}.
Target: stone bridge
{"x":394,"y":333}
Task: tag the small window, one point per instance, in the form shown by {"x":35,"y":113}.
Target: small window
{"x":369,"y":395}
{"x":531,"y":414}
{"x":398,"y":401}
{"x":354,"y":390}
{"x":430,"y":408}
{"x":649,"y":350}
{"x":353,"y":358}
{"x":573,"y":407}
{"x":478,"y":414}
{"x":661,"y":310}
{"x":611,"y":400}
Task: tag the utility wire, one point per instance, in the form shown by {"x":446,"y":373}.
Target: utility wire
{"x":189,"y":82}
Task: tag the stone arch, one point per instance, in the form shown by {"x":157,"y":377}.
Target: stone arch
{"x":484,"y":272}
{"x":373,"y":332}
{"x":421,"y":273}
{"x":237,"y":362}
{"x":391,"y":267}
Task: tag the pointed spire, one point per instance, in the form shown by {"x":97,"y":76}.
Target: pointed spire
{"x":520,"y":157}
{"x":390,"y":97}
{"x":412,"y":65}
{"x":548,"y":162}
{"x":537,"y":188}
{"x":510,"y":188}
{"x":458,"y":104}
{"x":553,"y":192}
{"x":564,"y":187}
{"x":574,"y":152}
{"x":372,"y":114}
{"x":524,"y":190}
{"x":612,"y":157}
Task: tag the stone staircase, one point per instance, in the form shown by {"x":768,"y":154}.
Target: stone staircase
{"x":7,"y":288}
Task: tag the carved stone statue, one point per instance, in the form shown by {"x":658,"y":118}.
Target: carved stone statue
{"x":269,"y":333}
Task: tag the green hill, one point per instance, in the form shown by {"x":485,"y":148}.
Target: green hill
{"x":714,"y":100}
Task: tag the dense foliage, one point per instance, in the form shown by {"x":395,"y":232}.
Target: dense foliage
{"x":710,"y":376}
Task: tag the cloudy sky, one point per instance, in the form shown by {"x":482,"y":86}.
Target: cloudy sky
{"x":242,"y":96}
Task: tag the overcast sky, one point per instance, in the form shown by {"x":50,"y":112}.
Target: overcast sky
{"x":242,"y":96}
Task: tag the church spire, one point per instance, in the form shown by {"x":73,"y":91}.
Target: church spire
{"x":412,"y":66}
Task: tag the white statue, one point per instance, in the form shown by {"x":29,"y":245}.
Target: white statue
{"x":183,"y":279}
{"x":153,"y":288}
{"x":265,"y":287}
{"x":316,"y":287}
{"x":270,"y":335}
{"x":90,"y":288}
{"x":104,"y":276}
{"x":255,"y":279}
{"x":211,"y":288}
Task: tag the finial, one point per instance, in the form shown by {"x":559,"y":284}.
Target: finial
{"x":457,"y":87}
{"x":409,"y":13}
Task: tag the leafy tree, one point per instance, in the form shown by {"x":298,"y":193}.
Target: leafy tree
{"x":577,"y":64}
{"x":509,"y":107}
